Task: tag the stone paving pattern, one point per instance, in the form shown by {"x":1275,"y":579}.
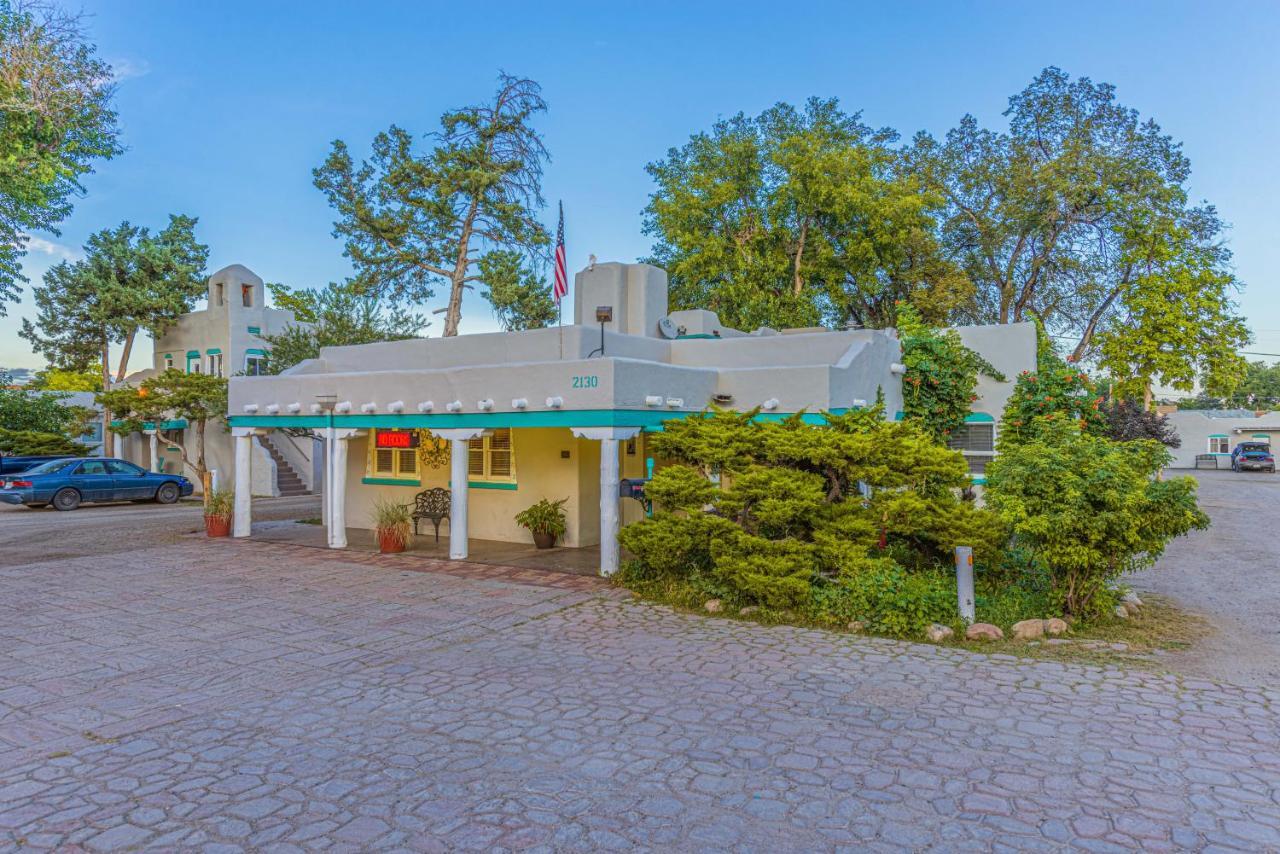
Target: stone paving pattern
{"x":221,"y":696}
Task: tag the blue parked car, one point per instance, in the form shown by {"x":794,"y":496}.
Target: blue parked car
{"x":66,"y":483}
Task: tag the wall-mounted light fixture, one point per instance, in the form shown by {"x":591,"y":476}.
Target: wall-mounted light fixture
{"x":604,"y":314}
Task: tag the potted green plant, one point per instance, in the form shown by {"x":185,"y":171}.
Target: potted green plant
{"x":219,"y":507}
{"x":393,"y":525}
{"x":546,"y":520}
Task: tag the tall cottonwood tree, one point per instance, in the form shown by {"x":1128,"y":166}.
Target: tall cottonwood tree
{"x":415,"y":220}
{"x":1079,"y":214}
{"x":131,"y":280}
{"x":57,"y":120}
{"x":795,"y":217}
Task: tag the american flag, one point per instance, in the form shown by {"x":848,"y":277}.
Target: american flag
{"x":562,"y":278}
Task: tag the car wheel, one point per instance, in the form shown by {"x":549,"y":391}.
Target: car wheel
{"x":66,"y":499}
{"x":167,"y":493}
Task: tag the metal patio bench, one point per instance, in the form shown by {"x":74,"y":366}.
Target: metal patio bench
{"x":1206,"y":461}
{"x":432,"y":504}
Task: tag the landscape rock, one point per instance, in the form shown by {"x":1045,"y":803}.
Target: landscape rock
{"x":714,"y":606}
{"x":749,"y":610}
{"x":983,"y":631}
{"x":1122,"y":612}
{"x":1132,"y":608}
{"x":1028,"y":629}
{"x":1131,"y":597}
{"x":1055,"y":626}
{"x":937,"y":632}
{"x":856,"y":626}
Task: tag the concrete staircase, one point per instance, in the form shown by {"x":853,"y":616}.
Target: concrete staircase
{"x":287,"y":480}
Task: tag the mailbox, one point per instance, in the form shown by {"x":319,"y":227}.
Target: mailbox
{"x":632,"y":487}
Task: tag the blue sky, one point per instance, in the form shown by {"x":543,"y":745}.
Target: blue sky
{"x":226,"y":107}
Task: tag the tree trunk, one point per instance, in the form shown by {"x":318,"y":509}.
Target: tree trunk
{"x":108,"y":438}
{"x":1146,"y":396}
{"x":798,"y":284}
{"x":200,"y":467}
{"x":124,"y":356}
{"x":457,"y":282}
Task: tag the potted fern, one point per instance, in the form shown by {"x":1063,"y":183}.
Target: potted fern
{"x":218,"y":509}
{"x":393,"y":525}
{"x":546,"y":520}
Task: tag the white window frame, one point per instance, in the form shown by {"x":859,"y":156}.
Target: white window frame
{"x":392,"y":463}
{"x":971,"y":456}
{"x":213,"y":363}
{"x":252,"y":357}
{"x":168,"y":362}
{"x":1220,"y":441}
{"x":483,"y":445}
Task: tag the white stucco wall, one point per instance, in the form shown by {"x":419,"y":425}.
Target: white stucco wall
{"x":1195,"y":427}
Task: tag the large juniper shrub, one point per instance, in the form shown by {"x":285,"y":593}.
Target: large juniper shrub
{"x":850,"y":519}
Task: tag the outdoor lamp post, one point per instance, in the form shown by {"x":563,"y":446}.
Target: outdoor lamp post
{"x":327,"y":402}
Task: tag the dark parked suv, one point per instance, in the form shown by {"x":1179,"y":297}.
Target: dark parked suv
{"x":1255,"y":456}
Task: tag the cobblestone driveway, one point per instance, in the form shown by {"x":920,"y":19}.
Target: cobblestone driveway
{"x":254,"y":696}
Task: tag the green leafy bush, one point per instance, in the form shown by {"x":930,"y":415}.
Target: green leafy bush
{"x":941,"y":381}
{"x":1088,"y":510}
{"x":34,"y":443}
{"x":851,"y":519}
{"x":1055,"y":392}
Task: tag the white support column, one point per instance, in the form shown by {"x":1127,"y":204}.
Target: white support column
{"x":459,"y":440}
{"x":337,"y":485}
{"x":242,"y":521}
{"x":322,"y":448}
{"x":609,"y":438}
{"x":154,"y":439}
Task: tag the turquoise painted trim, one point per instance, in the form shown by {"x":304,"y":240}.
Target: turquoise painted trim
{"x":978,"y":481}
{"x":213,"y":351}
{"x":389,"y":481}
{"x":255,"y":330}
{"x":255,"y":352}
{"x":193,"y":354}
{"x":979,"y":418}
{"x":899,"y":415}
{"x":488,"y":484}
{"x":1219,"y":436}
{"x":650,"y":421}
{"x":698,"y":335}
{"x":175,"y":424}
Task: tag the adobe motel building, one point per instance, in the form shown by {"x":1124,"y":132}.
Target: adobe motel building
{"x":566,"y":412}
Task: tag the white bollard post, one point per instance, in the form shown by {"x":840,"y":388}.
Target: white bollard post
{"x":964,"y":582}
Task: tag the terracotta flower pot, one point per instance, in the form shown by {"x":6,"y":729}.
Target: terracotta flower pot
{"x":217,"y":526}
{"x":390,"y":542}
{"x":543,"y":540}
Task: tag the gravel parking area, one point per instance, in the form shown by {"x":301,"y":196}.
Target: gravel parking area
{"x":225,"y":696}
{"x":1230,"y":574}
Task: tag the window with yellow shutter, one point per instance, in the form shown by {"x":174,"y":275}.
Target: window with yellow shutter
{"x":393,"y":454}
{"x":491,"y":458}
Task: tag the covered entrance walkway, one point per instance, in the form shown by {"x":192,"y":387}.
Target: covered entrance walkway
{"x":580,"y":561}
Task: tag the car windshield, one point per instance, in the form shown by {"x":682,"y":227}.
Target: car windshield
{"x":51,"y":467}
